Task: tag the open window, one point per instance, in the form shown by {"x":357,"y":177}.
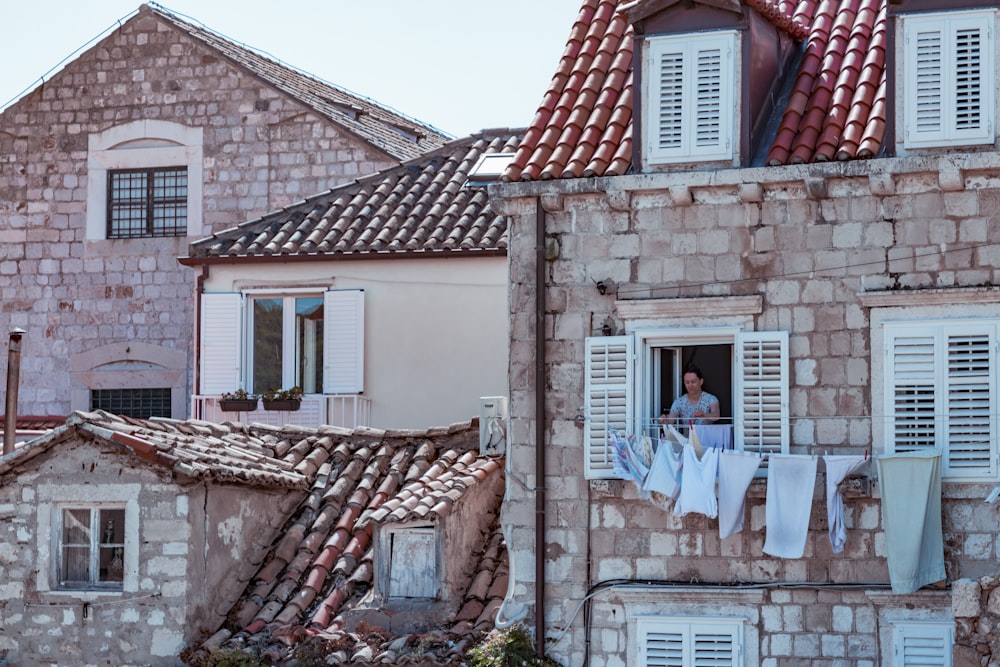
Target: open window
{"x":629,"y":379}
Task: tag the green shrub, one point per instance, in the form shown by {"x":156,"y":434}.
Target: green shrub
{"x":226,"y":657}
{"x":512,"y":647}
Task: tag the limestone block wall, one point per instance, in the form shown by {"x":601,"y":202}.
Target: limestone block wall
{"x":73,"y":294}
{"x":189,"y":550}
{"x":816,"y":243}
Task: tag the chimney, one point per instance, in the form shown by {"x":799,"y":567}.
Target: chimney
{"x":13,"y":375}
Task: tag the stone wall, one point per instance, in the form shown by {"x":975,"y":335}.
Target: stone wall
{"x":261,"y":151}
{"x":815,"y":242}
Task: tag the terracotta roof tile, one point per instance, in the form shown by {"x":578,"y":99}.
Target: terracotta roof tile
{"x":426,"y":205}
{"x":393,"y":133}
{"x":835,"y":110}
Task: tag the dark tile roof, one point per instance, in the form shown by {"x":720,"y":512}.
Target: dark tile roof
{"x":340,"y":484}
{"x":389,"y":131}
{"x":583,"y":127}
{"x":419,"y":207}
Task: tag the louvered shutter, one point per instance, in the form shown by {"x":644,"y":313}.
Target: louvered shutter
{"x":949,"y":79}
{"x":343,"y":341}
{"x":670,"y":642}
{"x":941,"y":394}
{"x":922,"y":644}
{"x":221,"y":342}
{"x":689,"y":111}
{"x":608,"y":393}
{"x":762,"y":392}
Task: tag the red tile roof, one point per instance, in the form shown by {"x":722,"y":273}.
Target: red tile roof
{"x":422,"y":206}
{"x":583,"y":127}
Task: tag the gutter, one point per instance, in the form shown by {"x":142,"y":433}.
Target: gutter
{"x":340,"y":257}
{"x":539,"y":429}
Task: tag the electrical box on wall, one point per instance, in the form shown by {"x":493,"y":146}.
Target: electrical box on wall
{"x":493,"y":425}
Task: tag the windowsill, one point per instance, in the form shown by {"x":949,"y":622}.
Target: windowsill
{"x":80,"y":595}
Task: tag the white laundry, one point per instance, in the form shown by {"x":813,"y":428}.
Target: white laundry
{"x":791,"y":480}
{"x":838,"y":467}
{"x":665,"y":472}
{"x":698,"y":483}
{"x":736,"y":471}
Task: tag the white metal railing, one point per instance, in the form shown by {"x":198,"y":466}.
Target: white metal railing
{"x":346,"y":410}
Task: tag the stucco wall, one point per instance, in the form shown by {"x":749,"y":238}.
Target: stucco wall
{"x":190,"y":555}
{"x":435,"y":330}
{"x":811,"y":241}
{"x":260,"y":151}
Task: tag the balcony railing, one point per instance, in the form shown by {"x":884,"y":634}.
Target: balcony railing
{"x":346,"y":410}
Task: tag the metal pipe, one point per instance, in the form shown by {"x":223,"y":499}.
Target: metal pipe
{"x":13,"y":378}
{"x":540,"y":430}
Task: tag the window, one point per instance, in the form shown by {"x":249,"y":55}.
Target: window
{"x":689,"y":110}
{"x":940,"y":393}
{"x":949,"y":78}
{"x":629,"y":379}
{"x":412,"y":562}
{"x":138,"y":403}
{"x":91,"y":548}
{"x":689,"y":642}
{"x":147,"y":202}
{"x":263,"y":340}
{"x":922,"y":644}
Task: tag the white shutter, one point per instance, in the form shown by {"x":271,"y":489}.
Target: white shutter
{"x":221,"y":342}
{"x":941,"y":394}
{"x":343,"y":341}
{"x":688,"y":642}
{"x":761,"y":409}
{"x":689,"y":113}
{"x":608,"y":393}
{"x":922,"y":644}
{"x":950,"y":95}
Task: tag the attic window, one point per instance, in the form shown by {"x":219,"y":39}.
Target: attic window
{"x":410,"y":554}
{"x":949,"y":79}
{"x":406,"y":132}
{"x":351,"y":110}
{"x":489,"y":169}
{"x":689,"y":110}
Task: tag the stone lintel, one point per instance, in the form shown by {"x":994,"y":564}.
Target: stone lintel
{"x":710,"y":306}
{"x":931,"y":297}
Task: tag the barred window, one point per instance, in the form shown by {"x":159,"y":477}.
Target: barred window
{"x":137,"y":403}
{"x":147,"y":202}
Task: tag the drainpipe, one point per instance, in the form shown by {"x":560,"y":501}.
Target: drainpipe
{"x":540,"y":429}
{"x":13,"y":378}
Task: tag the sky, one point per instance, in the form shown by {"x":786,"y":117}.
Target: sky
{"x":458,"y":65}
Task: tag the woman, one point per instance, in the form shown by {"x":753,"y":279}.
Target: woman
{"x":696,"y":405}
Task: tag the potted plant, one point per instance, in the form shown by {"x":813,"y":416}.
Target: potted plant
{"x":283,"y":399}
{"x":237,"y":401}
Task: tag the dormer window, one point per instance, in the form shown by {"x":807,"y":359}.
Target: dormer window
{"x":949,"y":63}
{"x":689,"y":98}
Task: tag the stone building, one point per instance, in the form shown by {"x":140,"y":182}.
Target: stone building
{"x":161,"y":133}
{"x":801,"y":199}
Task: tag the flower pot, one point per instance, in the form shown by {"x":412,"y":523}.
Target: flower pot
{"x":286,"y":404}
{"x":237,"y":404}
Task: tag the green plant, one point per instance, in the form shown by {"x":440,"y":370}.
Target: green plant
{"x":293,"y":394}
{"x":238,"y":395}
{"x":512,"y":647}
{"x":230,"y":657}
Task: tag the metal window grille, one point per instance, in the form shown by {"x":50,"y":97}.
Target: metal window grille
{"x":147,"y":202}
{"x":137,"y":403}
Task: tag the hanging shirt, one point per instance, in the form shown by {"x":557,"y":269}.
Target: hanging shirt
{"x":698,"y":483}
{"x":665,"y":472}
{"x":838,"y":467}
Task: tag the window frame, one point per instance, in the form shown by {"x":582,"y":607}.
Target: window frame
{"x":618,"y":380}
{"x":388,"y":563}
{"x":917,"y":79}
{"x":907,"y":341}
{"x":135,"y":395}
{"x":290,"y":353}
{"x":150,"y":204}
{"x":94,"y":546}
{"x":687,"y":49}
{"x":687,"y":630}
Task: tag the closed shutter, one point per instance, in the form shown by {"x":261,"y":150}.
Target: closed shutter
{"x":669,"y":642}
{"x":949,"y":79}
{"x":690,"y":114}
{"x":343,"y":341}
{"x":608,"y":393}
{"x":762,"y":392}
{"x":941,"y":394}
{"x":922,"y":644}
{"x":221,"y":342}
